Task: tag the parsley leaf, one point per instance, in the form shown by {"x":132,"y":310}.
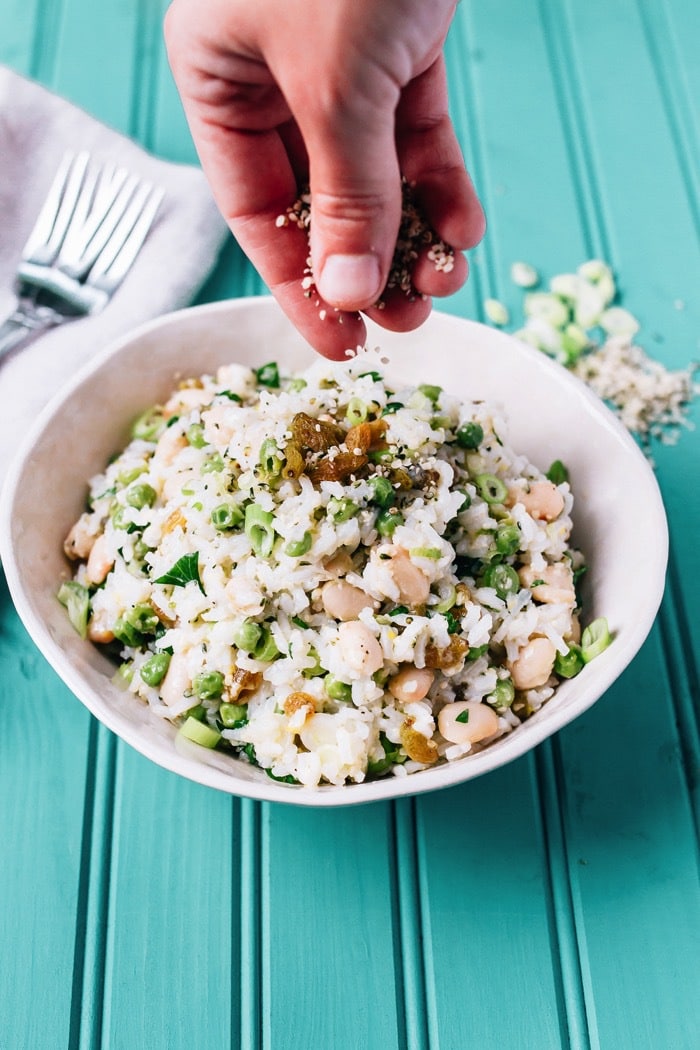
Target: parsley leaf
{"x":184,"y":571}
{"x":463,"y":716}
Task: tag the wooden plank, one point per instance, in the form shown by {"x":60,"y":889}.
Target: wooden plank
{"x":489,"y":930}
{"x":330,"y":968}
{"x":45,"y":758}
{"x":170,"y":913}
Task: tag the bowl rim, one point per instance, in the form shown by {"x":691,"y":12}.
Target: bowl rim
{"x":177,"y":761}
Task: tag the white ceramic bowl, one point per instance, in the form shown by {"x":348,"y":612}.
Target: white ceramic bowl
{"x":619,"y":517}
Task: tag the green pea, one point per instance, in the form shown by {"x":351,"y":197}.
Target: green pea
{"x":233,"y":716}
{"x":131,"y":626}
{"x":247,"y":636}
{"x":503,"y":695}
{"x":140,"y":496}
{"x":383,"y":493}
{"x":490,"y":488}
{"x":266,"y":649}
{"x":470,"y":435}
{"x":296,"y":548}
{"x":388,"y":521}
{"x":127,"y":476}
{"x":209,"y":685}
{"x":336,"y":689}
{"x":155,"y":668}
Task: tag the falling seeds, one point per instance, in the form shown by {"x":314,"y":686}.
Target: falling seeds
{"x":414,"y":236}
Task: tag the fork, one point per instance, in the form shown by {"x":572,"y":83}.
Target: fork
{"x":86,"y":237}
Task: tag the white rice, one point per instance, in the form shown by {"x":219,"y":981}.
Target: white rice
{"x":204,"y":453}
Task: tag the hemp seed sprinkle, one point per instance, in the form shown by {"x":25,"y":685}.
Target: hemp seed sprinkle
{"x":415,"y":234}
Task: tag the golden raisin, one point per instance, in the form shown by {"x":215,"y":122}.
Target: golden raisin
{"x":417,"y":746}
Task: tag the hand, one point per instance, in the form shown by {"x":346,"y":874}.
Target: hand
{"x":346,"y":95}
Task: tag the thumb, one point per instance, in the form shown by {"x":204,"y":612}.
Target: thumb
{"x":355,"y":199}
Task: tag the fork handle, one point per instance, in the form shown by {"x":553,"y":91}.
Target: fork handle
{"x":18,"y":329}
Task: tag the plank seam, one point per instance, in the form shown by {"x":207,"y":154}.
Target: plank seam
{"x":665,"y":62}
{"x":251,"y":1035}
{"x":408,"y":926}
{"x":44,"y":51}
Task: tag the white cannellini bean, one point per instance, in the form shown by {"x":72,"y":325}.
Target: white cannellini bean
{"x":557,"y":583}
{"x":99,"y":562}
{"x":79,"y":541}
{"x":543,"y":500}
{"x":412,"y":683}
{"x":534,"y":664}
{"x":342,"y":601}
{"x":99,"y":630}
{"x":413,"y":584}
{"x":170,"y":442}
{"x":175,"y":684}
{"x":481,"y":722}
{"x":359,"y":648}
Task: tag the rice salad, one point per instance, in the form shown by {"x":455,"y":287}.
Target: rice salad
{"x":330,"y":576}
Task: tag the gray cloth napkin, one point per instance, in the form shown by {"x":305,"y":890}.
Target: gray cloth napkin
{"x":36,"y":129}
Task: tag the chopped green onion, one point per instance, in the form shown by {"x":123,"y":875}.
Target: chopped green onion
{"x":259,"y":529}
{"x":268,"y":375}
{"x":297,"y":384}
{"x":316,"y":669}
{"x":503,"y":578}
{"x":127,"y":476}
{"x":433,"y":553}
{"x":155,"y":668}
{"x":298,"y":622}
{"x":213,"y":464}
{"x":356,"y":411}
{"x":227,"y":516}
{"x":448,"y":601}
{"x":199,"y":732}
{"x":209,"y":685}
{"x":470,"y":435}
{"x":496,"y":312}
{"x":297,"y":548}
{"x":270,"y":459}
{"x":149,"y":425}
{"x":76,"y":600}
{"x":524,"y":275}
{"x":490,"y":488}
{"x":569,"y":664}
{"x":595,"y":638}
{"x":507,"y":539}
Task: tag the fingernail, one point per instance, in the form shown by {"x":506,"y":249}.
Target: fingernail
{"x":349,"y":281}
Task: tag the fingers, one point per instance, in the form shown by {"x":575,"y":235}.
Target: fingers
{"x":355,"y":190}
{"x":431,"y":159}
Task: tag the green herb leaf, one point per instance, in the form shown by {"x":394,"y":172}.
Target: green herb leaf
{"x":184,"y":571}
{"x":463,"y":716}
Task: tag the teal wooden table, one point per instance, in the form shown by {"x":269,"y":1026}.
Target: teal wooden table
{"x":551,"y":904}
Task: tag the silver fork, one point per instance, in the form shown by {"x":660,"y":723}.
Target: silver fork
{"x":87,"y":235}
